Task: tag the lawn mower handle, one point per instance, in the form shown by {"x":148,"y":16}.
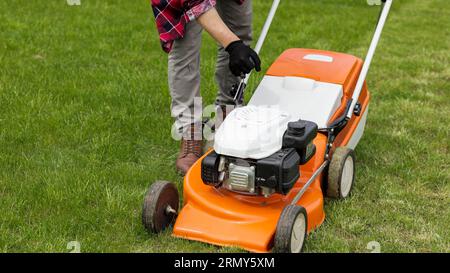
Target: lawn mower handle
{"x":239,"y":90}
{"x":262,"y":37}
{"x":373,"y":46}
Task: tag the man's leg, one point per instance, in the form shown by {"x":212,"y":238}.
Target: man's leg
{"x":239,"y":19}
{"x":184,"y":85}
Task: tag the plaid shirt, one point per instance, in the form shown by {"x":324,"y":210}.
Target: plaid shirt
{"x":173,"y":15}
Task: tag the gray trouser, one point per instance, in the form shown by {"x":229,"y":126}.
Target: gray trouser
{"x":184,"y":64}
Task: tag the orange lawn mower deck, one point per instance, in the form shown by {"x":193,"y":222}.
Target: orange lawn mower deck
{"x":231,"y":197}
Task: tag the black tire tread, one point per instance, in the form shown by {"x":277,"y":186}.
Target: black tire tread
{"x":285,"y":224}
{"x":152,"y":198}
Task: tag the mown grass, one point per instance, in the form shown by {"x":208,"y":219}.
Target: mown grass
{"x":85,"y":123}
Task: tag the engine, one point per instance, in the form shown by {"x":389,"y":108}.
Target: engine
{"x":276,"y":173}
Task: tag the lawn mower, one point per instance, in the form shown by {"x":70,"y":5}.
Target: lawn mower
{"x":262,"y":186}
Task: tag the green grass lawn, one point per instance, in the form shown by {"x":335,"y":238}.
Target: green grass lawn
{"x":85,"y":123}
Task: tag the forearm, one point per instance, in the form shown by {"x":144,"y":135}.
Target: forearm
{"x":215,"y":26}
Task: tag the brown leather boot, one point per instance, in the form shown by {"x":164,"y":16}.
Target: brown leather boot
{"x":190,"y":152}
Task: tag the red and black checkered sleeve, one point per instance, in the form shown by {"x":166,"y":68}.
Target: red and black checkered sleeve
{"x":172,"y":15}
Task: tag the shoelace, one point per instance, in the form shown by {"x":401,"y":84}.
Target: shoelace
{"x":192,"y":147}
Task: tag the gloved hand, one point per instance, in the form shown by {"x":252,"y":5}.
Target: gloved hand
{"x":242,"y":58}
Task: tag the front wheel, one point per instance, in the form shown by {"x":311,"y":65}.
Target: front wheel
{"x":160,"y":206}
{"x":292,"y":227}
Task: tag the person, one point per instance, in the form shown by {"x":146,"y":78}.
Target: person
{"x":180,"y":24}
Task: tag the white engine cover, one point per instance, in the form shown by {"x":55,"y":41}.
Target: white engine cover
{"x":256,"y":131}
{"x":252,"y":132}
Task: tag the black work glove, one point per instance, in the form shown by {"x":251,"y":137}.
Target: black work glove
{"x":242,"y":58}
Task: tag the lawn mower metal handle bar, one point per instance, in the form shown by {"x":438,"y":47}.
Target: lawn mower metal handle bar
{"x":373,"y":46}
{"x":340,"y":123}
{"x":364,"y":71}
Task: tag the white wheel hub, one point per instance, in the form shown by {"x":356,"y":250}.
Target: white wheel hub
{"x":347,"y":177}
{"x":298,"y":233}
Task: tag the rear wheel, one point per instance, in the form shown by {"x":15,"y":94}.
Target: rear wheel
{"x":341,"y":173}
{"x":160,"y":206}
{"x":291,"y":230}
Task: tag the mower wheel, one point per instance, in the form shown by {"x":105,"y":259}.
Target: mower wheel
{"x":160,"y":206}
{"x":341,"y":173}
{"x":292,"y":227}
